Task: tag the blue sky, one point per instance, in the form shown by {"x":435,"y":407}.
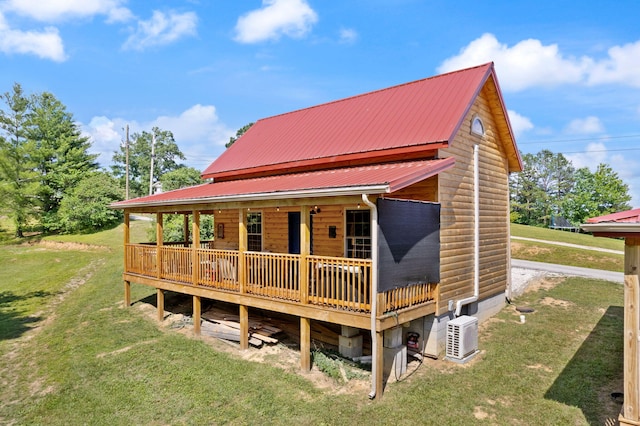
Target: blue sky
{"x":569,"y":71}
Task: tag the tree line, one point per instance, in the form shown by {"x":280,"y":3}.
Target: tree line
{"x":51,"y":183}
{"x":550,"y":187}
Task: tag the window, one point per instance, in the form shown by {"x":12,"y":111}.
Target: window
{"x":477,"y":127}
{"x":254,"y":231}
{"x":358,"y":235}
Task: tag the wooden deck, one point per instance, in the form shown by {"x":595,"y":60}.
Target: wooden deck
{"x":331,"y":289}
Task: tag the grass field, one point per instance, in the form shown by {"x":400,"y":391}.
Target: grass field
{"x":71,"y":354}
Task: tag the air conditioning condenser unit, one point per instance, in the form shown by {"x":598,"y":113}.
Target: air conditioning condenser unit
{"x":462,"y":339}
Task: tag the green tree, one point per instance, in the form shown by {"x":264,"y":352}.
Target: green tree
{"x":241,"y":131}
{"x":18,"y":179}
{"x":86,"y":207}
{"x":180,"y":178}
{"x":61,"y":154}
{"x":536,"y":192}
{"x":595,"y":194}
{"x":165,"y":156}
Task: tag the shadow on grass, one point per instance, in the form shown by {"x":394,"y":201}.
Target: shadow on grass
{"x":595,"y":371}
{"x":12,"y":321}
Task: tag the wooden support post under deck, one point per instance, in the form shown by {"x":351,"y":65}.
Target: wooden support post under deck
{"x":127,"y":293}
{"x":379,"y":361}
{"x":160,"y":303}
{"x":244,"y":327}
{"x":305,"y":344}
{"x":631,"y":408}
{"x":197,"y":309}
{"x":127,"y":240}
{"x":379,"y":364}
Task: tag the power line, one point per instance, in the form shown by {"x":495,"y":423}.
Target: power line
{"x":600,"y":138}
{"x":600,"y":150}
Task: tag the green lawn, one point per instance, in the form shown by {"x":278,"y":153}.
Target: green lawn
{"x":565,"y":237}
{"x":70,"y":354}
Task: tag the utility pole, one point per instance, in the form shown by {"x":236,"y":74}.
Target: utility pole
{"x":153,"y":156}
{"x":127,"y":163}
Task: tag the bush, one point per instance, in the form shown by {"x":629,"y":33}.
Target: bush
{"x":86,"y":208}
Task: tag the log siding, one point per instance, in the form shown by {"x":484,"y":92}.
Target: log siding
{"x":455,"y":187}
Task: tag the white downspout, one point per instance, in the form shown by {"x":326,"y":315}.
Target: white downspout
{"x":374,"y":292}
{"x":476,"y":235}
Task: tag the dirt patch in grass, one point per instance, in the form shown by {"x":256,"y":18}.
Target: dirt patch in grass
{"x":544,"y":283}
{"x":526,"y":250}
{"x":550,"y":301}
{"x":57,"y":245}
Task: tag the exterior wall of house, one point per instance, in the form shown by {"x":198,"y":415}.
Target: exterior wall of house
{"x":229,"y":218}
{"x":457,"y":214}
{"x":426,"y":190}
{"x":275,"y":228}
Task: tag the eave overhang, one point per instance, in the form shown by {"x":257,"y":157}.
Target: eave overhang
{"x":613,"y":229}
{"x":352,"y":181}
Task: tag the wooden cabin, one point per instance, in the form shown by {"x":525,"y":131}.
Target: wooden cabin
{"x":386,"y":213}
{"x":627,"y":225}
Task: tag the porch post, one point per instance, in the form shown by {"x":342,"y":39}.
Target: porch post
{"x":159,"y":243}
{"x":379,"y":362}
{"x":197,"y":309}
{"x":195,"y":258}
{"x":127,"y":240}
{"x":185,"y":227}
{"x":631,"y":407}
{"x":160,"y":303}
{"x":305,"y":250}
{"x":244,"y":327}
{"x":305,"y":344}
{"x":242,"y":247}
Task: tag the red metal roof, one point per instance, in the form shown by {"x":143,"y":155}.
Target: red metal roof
{"x":406,"y":120}
{"x":629,"y":216}
{"x":384,"y":178}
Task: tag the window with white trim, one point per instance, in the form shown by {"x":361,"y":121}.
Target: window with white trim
{"x":477,"y":127}
{"x":358,"y":234}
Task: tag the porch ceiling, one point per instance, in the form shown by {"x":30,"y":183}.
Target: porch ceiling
{"x":374,"y":179}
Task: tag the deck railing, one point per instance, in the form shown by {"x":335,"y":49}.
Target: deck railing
{"x":332,"y":282}
{"x":274,"y":275}
{"x":340,"y":282}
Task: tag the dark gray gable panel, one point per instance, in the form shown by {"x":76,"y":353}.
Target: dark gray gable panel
{"x":408,"y":243}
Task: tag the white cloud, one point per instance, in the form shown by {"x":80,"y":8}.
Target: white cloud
{"x":585,"y":126}
{"x":595,"y":153}
{"x":519,"y":123}
{"x":348,"y":36}
{"x":293,"y":18}
{"x":198,"y":131}
{"x":106,"y":136}
{"x":59,"y":10}
{"x":162,"y":29}
{"x":529,"y":63}
{"x":526,"y":64}
{"x":46,"y":44}
{"x":621,"y":66}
